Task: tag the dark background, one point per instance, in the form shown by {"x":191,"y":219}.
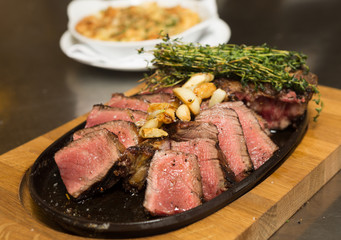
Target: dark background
{"x":41,"y":89}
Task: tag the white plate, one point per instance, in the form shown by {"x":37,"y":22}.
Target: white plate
{"x":77,"y":10}
{"x":219,"y":32}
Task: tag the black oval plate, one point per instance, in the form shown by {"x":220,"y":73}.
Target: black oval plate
{"x":116,"y":214}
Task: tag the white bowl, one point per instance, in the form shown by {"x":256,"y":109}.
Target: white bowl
{"x":78,"y":9}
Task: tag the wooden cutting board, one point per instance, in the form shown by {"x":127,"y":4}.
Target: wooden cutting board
{"x":255,"y":215}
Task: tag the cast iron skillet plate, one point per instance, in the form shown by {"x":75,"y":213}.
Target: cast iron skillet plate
{"x":117,"y":214}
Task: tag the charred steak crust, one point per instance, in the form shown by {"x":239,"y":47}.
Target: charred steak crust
{"x":173,"y":183}
{"x":91,"y":164}
{"x":127,"y":132}
{"x":101,"y":113}
{"x":139,"y":158}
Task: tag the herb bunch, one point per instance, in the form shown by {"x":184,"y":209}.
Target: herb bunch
{"x":175,"y":62}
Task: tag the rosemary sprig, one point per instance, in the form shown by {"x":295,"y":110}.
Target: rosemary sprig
{"x":175,"y":62}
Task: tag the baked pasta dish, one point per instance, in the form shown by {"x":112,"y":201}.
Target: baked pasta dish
{"x":137,"y":23}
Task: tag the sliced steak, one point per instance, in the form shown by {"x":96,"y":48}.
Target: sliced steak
{"x":155,"y":90}
{"x":173,"y":183}
{"x":190,"y":130}
{"x":91,"y":164}
{"x":138,"y":102}
{"x":101,"y":114}
{"x":127,"y":132}
{"x":205,"y":149}
{"x":231,"y":139}
{"x":212,"y":175}
{"x":156,"y":97}
{"x":259,"y":145}
{"x":279,"y":109}
{"x":120,"y":101}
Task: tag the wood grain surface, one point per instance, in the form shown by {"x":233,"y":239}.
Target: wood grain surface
{"x":255,"y":215}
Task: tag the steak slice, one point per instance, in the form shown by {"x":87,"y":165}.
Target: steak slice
{"x":190,"y":130}
{"x":127,"y":132}
{"x":231,"y":139}
{"x":101,"y":114}
{"x":212,"y":175}
{"x":91,"y":164}
{"x":139,"y":102}
{"x":148,"y":90}
{"x":262,"y":122}
{"x":259,"y":145}
{"x":156,"y":97}
{"x":120,"y":101}
{"x":173,"y":183}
